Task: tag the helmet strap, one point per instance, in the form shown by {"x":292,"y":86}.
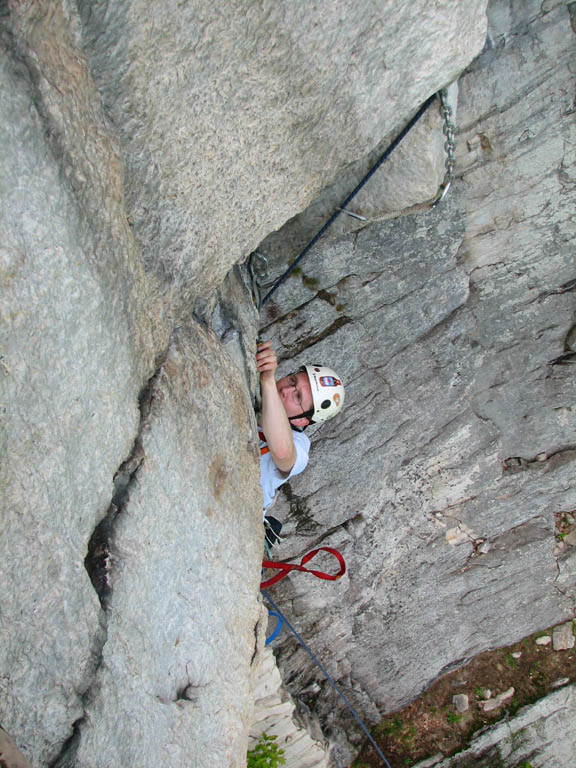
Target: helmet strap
{"x":304,"y":415}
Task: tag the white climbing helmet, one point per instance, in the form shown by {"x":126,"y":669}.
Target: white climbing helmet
{"x":327,"y":392}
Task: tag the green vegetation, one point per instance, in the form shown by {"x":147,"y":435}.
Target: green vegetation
{"x":391,"y":727}
{"x":266,"y":753}
{"x":309,"y":282}
{"x":431,"y":723}
{"x":510,"y":661}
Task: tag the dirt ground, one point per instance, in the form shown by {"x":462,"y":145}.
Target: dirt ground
{"x":431,"y":724}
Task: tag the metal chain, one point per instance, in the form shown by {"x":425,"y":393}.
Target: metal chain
{"x":258,"y":270}
{"x":258,"y":264}
{"x":449,"y":145}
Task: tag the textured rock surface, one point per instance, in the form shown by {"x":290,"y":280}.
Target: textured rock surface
{"x":233,"y":117}
{"x":563,"y":637}
{"x":180,"y":623}
{"x":441,"y":480}
{"x":230,"y":120}
{"x":74,"y":357}
{"x":10,"y":754}
{"x":275,"y":715}
{"x":410,"y":176}
{"x":541,"y":735}
{"x":81,"y":328}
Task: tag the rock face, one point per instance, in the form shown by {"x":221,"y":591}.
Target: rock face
{"x":144,"y":152}
{"x":539,"y":735}
{"x":74,"y":357}
{"x":441,"y":480}
{"x":233,"y":119}
{"x":175,"y":658}
{"x":275,"y":715}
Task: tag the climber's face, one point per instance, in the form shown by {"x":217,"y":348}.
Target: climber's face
{"x":296,"y":394}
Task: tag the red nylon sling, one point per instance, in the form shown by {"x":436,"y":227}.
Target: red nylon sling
{"x":285,"y":568}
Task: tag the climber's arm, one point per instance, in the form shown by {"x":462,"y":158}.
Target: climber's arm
{"x":273,"y":420}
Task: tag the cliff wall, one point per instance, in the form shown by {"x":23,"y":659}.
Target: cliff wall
{"x":145,"y":151}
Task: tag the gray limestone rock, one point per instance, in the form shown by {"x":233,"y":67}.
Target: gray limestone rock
{"x":276,"y":715}
{"x":73,"y":359}
{"x":82,"y":327}
{"x":185,"y":555}
{"x":127,"y":424}
{"x":563,"y":637}
{"x":540,"y":735}
{"x":409,"y":177}
{"x":461,"y":702}
{"x":10,"y":755}
{"x":440,"y":481}
{"x":234,"y":116}
{"x":496,"y":701}
{"x":543,"y":640}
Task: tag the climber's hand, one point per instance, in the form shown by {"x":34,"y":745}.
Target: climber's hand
{"x":266,"y":361}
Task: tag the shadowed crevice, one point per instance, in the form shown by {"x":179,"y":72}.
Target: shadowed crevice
{"x":98,"y":559}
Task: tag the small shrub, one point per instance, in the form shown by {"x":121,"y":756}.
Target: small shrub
{"x":409,"y":737}
{"x":310,"y":282}
{"x":391,"y":727}
{"x":453,"y":717}
{"x":266,"y":753}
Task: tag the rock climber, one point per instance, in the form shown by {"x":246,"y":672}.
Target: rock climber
{"x":312,"y":394}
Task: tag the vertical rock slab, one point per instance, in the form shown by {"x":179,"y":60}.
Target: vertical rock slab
{"x":173,"y":685}
{"x":410,"y":176}
{"x":234,"y":116}
{"x":275,"y":715}
{"x":441,"y":481}
{"x":76,"y":348}
{"x":81,"y":328}
{"x":69,"y":387}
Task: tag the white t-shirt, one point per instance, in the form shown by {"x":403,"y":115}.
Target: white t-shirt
{"x":270,"y":476}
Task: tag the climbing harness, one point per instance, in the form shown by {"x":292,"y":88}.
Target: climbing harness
{"x":285,"y":568}
{"x":326,"y":674}
{"x":255,"y":259}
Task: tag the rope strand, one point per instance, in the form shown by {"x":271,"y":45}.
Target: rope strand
{"x":350,"y":197}
{"x":326,"y":675}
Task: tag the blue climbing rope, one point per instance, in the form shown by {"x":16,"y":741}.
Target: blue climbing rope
{"x":277,"y":628}
{"x":341,"y":208}
{"x":325,"y":673}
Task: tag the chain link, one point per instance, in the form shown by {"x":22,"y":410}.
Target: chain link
{"x":258,"y":270}
{"x":448,"y":130}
